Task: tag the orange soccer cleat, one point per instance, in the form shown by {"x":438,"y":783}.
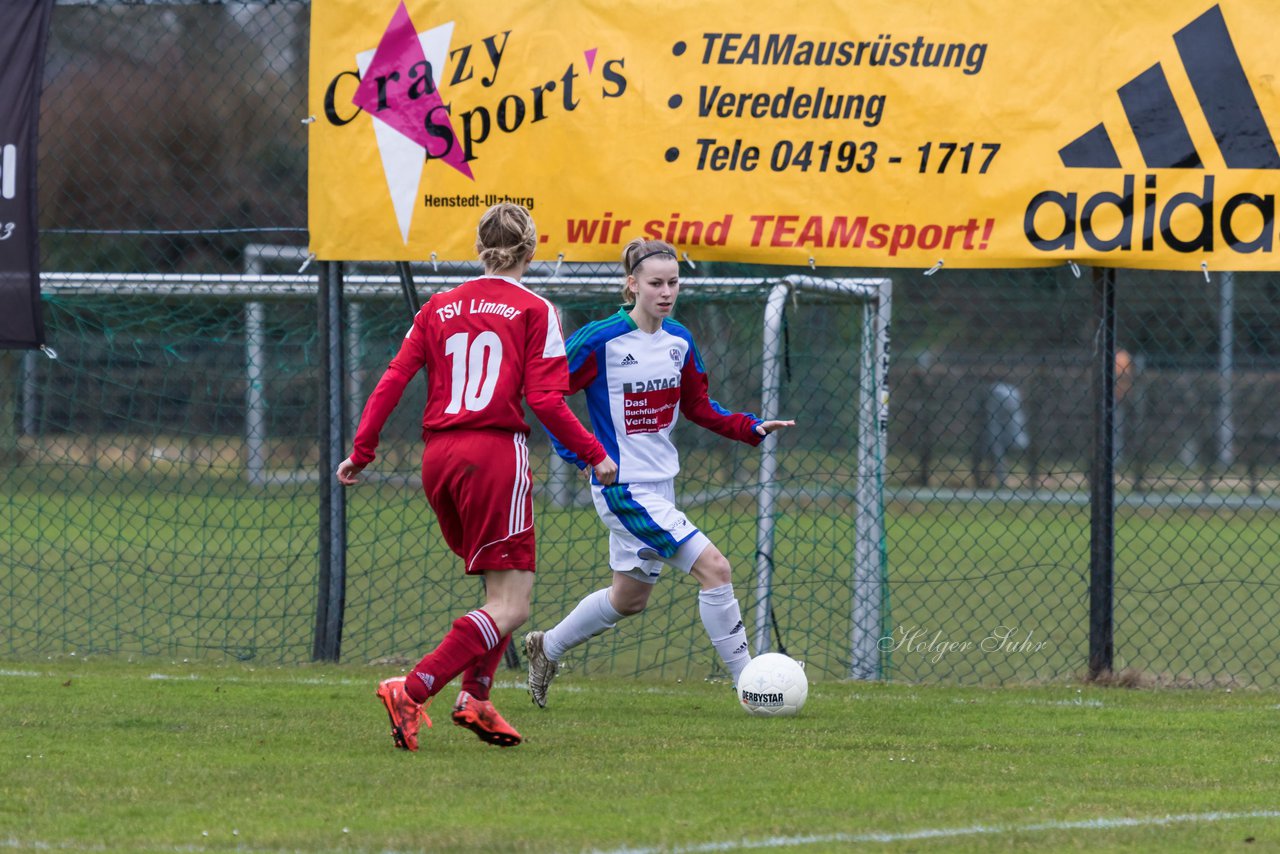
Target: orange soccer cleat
{"x":405,"y":714}
{"x":483,"y":719}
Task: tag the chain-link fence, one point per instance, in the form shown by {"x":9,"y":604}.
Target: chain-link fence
{"x":162,"y":474}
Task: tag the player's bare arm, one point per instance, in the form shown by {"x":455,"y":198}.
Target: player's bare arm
{"x":764,"y":428}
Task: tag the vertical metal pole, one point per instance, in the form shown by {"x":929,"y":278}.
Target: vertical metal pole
{"x":320,"y":643}
{"x":1226,"y":369}
{"x":1102,"y":505}
{"x":355,"y":358}
{"x":30,"y":394}
{"x":562,"y":478}
{"x":337,"y":453}
{"x":8,"y":405}
{"x":255,"y":404}
{"x":331,"y":586}
{"x":767,"y":491}
{"x":408,"y":288}
{"x":869,"y":590}
{"x":562,"y":481}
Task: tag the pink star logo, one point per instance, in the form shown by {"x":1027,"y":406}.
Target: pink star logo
{"x":398,"y":95}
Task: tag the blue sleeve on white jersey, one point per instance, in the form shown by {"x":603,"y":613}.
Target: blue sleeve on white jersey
{"x":564,"y":453}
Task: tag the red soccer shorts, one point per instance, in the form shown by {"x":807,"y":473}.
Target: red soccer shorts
{"x":480,"y":487}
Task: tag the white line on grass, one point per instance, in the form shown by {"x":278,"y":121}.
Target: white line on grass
{"x":948,"y":832}
{"x":742,"y":844}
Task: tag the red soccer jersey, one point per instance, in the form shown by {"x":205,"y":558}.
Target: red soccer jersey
{"x":485,"y":344}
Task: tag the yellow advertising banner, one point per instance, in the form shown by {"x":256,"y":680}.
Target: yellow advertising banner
{"x":893,"y":133}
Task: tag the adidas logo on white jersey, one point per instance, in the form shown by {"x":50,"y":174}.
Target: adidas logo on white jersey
{"x":630,"y":360}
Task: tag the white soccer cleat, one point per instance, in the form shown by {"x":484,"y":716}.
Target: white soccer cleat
{"x":541,"y":669}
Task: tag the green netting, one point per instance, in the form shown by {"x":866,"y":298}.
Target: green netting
{"x":131,"y":526}
{"x":160,"y":480}
{"x":989,"y":538}
{"x":393,"y":583}
{"x":166,"y":492}
{"x":137,"y":520}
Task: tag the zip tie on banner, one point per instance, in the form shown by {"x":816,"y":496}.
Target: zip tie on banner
{"x":1075,"y":268}
{"x":309,"y":120}
{"x":434,"y":265}
{"x":813,"y":265}
{"x":1204,"y":265}
{"x":559,"y":261}
{"x":935,"y":268}
{"x":689,"y":261}
{"x":311,"y":256}
{"x":49,"y":351}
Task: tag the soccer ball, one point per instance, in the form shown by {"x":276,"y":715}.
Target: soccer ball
{"x":773,"y":685}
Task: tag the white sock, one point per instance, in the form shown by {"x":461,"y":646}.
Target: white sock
{"x":723,"y":620}
{"x":593,"y":615}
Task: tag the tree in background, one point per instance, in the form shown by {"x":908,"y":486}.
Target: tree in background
{"x":181,"y":119}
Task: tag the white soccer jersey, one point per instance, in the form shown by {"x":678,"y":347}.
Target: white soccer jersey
{"x":637,"y":385}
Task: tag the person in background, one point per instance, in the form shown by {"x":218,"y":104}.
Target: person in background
{"x":1124,"y":376}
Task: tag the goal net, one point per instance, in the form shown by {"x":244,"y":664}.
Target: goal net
{"x":799,"y":518}
{"x":166,"y":469}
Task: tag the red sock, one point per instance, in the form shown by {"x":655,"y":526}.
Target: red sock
{"x":472,"y":635}
{"x":478,"y":679}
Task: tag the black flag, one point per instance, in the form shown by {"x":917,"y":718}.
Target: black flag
{"x":22,"y":41}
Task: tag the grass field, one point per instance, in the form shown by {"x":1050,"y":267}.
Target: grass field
{"x":160,"y":755}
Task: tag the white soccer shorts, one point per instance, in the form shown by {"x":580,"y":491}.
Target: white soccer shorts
{"x":646,"y":529}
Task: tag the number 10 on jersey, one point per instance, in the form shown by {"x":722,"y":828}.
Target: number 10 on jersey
{"x":475,"y":365}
